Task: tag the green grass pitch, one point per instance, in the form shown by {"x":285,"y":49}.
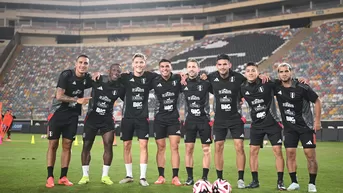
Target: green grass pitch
{"x":20,"y":173}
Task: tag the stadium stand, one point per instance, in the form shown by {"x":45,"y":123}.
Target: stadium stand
{"x":261,"y":43}
{"x":36,"y":69}
{"x":319,"y":58}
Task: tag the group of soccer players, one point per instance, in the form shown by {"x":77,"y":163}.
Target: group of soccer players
{"x":228,"y":88}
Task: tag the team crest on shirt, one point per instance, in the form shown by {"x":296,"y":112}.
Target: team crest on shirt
{"x":292,"y":94}
{"x":261,"y":89}
{"x":84,"y":82}
{"x":174,"y":83}
{"x":200,"y":88}
{"x":114,"y":92}
{"x":143,"y":80}
{"x":232,"y":79}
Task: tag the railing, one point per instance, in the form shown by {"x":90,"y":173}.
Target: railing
{"x":6,"y":52}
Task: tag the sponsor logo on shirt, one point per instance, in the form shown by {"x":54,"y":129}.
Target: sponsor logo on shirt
{"x":105,"y":98}
{"x":287,"y":104}
{"x":224,"y":91}
{"x":196,"y":112}
{"x":193,"y":98}
{"x":137,"y":89}
{"x":257,"y":101}
{"x":225,"y":99}
{"x":168,"y":94}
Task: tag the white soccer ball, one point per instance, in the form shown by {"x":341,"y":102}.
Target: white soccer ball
{"x":43,"y":136}
{"x":202,"y":186}
{"x":221,"y":186}
{"x":265,"y":142}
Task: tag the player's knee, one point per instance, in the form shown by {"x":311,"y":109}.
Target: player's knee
{"x":174,"y":147}
{"x":127,"y":145}
{"x":291,"y":155}
{"x":53,"y":146}
{"x":66,"y":144}
{"x":206,"y":150}
{"x":219,"y":147}
{"x":143,"y":144}
{"x":254,"y":151}
{"x":161,"y":147}
{"x":311,"y":157}
{"x":189,"y":150}
{"x":239,"y":148}
{"x":277,"y":152}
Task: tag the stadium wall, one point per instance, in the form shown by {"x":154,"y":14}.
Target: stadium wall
{"x":95,"y":39}
{"x":103,"y":44}
{"x":34,"y":39}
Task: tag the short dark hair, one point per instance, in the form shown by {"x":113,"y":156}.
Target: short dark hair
{"x":164,"y":60}
{"x":223,"y":57}
{"x":115,"y":64}
{"x":82,"y":55}
{"x":251,"y":64}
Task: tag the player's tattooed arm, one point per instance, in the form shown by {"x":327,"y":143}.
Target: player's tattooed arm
{"x":60,"y":96}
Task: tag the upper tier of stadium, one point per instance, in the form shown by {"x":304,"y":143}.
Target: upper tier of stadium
{"x":89,"y":18}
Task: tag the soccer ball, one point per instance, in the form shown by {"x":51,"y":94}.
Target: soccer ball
{"x":202,"y":186}
{"x":43,"y":136}
{"x":265,"y":142}
{"x":221,"y":186}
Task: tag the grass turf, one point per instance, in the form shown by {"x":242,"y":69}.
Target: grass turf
{"x":23,"y":168}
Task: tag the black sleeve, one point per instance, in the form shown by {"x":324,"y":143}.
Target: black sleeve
{"x":211,"y":75}
{"x":122,"y":93}
{"x":91,"y":101}
{"x":210,"y":88}
{"x":123,"y":78}
{"x":89,"y":81}
{"x":152,"y":75}
{"x":272,"y":83}
{"x":309,"y":94}
{"x":63,"y":79}
{"x":240,"y":77}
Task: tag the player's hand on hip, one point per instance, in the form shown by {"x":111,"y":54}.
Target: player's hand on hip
{"x":83,"y":101}
{"x":96,"y":76}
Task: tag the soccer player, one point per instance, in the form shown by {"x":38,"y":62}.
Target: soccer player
{"x":166,"y":124}
{"x":197,"y":119}
{"x":260,"y":98}
{"x":226,"y":88}
{"x":66,"y":109}
{"x":105,"y":92}
{"x":135,"y":115}
{"x":8,"y":122}
{"x":294,"y":100}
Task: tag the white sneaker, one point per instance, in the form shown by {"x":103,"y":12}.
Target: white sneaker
{"x":240,"y":184}
{"x":127,"y":179}
{"x":143,"y":182}
{"x":312,"y":188}
{"x":293,"y":186}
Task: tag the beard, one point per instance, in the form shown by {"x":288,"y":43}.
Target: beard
{"x":286,"y":80}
